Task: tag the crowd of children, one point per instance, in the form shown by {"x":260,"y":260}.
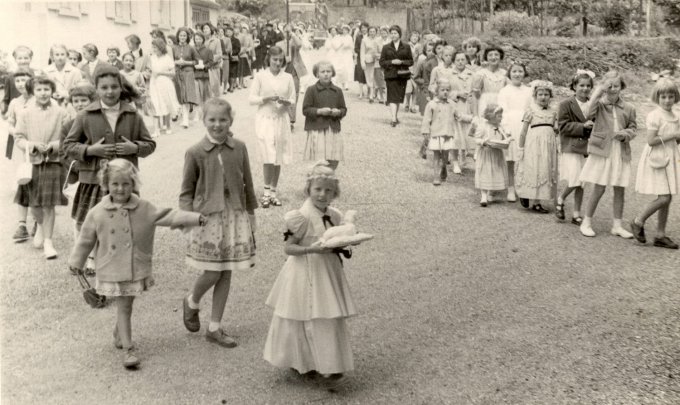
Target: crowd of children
{"x":522,"y":144}
{"x":526,"y":145}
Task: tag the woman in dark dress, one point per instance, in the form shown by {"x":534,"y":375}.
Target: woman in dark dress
{"x":233,"y":59}
{"x":186,"y":58}
{"x":359,"y":75}
{"x":395,"y":60}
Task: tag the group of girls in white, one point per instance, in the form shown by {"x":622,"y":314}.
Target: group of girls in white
{"x":525,"y":145}
{"x":101,"y":143}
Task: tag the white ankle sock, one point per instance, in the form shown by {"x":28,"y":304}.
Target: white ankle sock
{"x":586,"y":222}
{"x":560,"y":201}
{"x":192,"y":304}
{"x":577,"y":214}
{"x":213,"y":326}
{"x":617,"y":223}
{"x":266,"y":190}
{"x":272,"y":191}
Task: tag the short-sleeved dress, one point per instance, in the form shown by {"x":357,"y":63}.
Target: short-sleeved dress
{"x":187,"y":93}
{"x":536,"y":177}
{"x":491,"y":171}
{"x":660,"y":181}
{"x":272,"y":122}
{"x":311,"y":302}
{"x":488,"y":83}
{"x":514,"y":100}
{"x":162,"y":94}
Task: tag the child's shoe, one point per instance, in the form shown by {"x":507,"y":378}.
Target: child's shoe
{"x":274,"y":201}
{"x":586,"y":229}
{"x":665,"y":242}
{"x":130,"y":361}
{"x":50,"y":252}
{"x":191,"y":320}
{"x":38,"y":238}
{"x":21,"y":234}
{"x":456,"y":168}
{"x":619,"y":231}
{"x":638,"y":232}
{"x":265,"y":201}
{"x":220,"y":338}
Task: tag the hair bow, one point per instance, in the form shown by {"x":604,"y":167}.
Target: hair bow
{"x":662,"y":74}
{"x":585,"y":72}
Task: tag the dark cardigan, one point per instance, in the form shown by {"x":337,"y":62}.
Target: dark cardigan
{"x":573,"y":136}
{"x":389,"y":53}
{"x":320,"y":96}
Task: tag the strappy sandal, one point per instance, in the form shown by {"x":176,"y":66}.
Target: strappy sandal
{"x":275,"y":201}
{"x":577,"y":221}
{"x":559,"y":212}
{"x":539,"y":209}
{"x":265,"y":201}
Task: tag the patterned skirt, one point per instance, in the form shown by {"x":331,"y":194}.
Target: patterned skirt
{"x":203,"y":88}
{"x":226,"y":242}
{"x":44,"y":190}
{"x":124,"y":288}
{"x":87,"y":196}
{"x":324,"y":144}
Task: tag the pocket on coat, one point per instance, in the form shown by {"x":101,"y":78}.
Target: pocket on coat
{"x":597,"y":139}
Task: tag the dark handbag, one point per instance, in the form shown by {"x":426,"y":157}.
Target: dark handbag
{"x":403,"y":74}
{"x":9,"y":149}
{"x":90,"y":294}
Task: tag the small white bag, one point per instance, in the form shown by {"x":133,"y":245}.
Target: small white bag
{"x":25,"y":170}
{"x":69,"y":190}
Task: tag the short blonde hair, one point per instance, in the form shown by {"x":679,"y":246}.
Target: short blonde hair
{"x":322,"y":171}
{"x":491,"y":110}
{"x":218,"y":103}
{"x":613,"y":74}
{"x":317,"y":67}
{"x":665,"y":86}
{"x":119,"y":166}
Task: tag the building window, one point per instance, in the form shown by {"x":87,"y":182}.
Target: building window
{"x":120,"y":11}
{"x":69,"y":9}
{"x":200,"y":15}
{"x":161,"y":13}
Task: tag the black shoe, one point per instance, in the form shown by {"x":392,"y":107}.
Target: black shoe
{"x":665,"y":242}
{"x":559,"y":212}
{"x":393,"y":123}
{"x":524,"y":202}
{"x":577,"y":221}
{"x":191,"y":320}
{"x":539,"y":209}
{"x":639,"y":232}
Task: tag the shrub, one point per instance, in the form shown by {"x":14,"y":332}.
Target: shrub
{"x":613,"y":17}
{"x":514,"y":24}
{"x":252,"y":7}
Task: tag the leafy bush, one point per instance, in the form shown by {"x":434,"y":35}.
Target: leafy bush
{"x":514,"y":24}
{"x":252,"y":7}
{"x":613,"y":17}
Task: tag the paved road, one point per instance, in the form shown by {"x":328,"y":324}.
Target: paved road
{"x":458,"y":304}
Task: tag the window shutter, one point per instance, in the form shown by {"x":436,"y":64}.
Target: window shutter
{"x":155,"y":12}
{"x":110,"y":9}
{"x":133,"y":11}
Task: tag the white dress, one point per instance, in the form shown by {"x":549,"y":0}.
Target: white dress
{"x":162,"y":92}
{"x":311,"y":302}
{"x":660,"y":181}
{"x":272,"y":122}
{"x":514,"y":100}
{"x":345,"y":59}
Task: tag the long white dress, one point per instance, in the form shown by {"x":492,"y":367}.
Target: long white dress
{"x":311,"y":302}
{"x":272,"y":122}
{"x":346,"y":59}
{"x":514,"y":100}
{"x":162,"y":92}
{"x":660,"y":181}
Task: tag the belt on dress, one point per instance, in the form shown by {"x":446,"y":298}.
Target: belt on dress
{"x":545,"y":124}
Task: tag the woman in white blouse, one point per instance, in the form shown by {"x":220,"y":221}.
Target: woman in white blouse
{"x":273,"y":91}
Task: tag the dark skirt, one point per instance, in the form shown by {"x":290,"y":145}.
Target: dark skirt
{"x":187,"y":87}
{"x":243,"y":67}
{"x":396,"y":90}
{"x":87,"y":196}
{"x":359,"y":75}
{"x":233,"y":69}
{"x":21,"y":197}
{"x":45,"y":188}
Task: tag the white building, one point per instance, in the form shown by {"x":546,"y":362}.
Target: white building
{"x":39,"y":24}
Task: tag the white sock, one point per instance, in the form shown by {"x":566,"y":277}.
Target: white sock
{"x":266,"y":190}
{"x":617,"y":223}
{"x":577,"y":214}
{"x":586,"y":222}
{"x":213,"y":326}
{"x":560,"y":201}
{"x":192,"y":304}
{"x":272,"y":191}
